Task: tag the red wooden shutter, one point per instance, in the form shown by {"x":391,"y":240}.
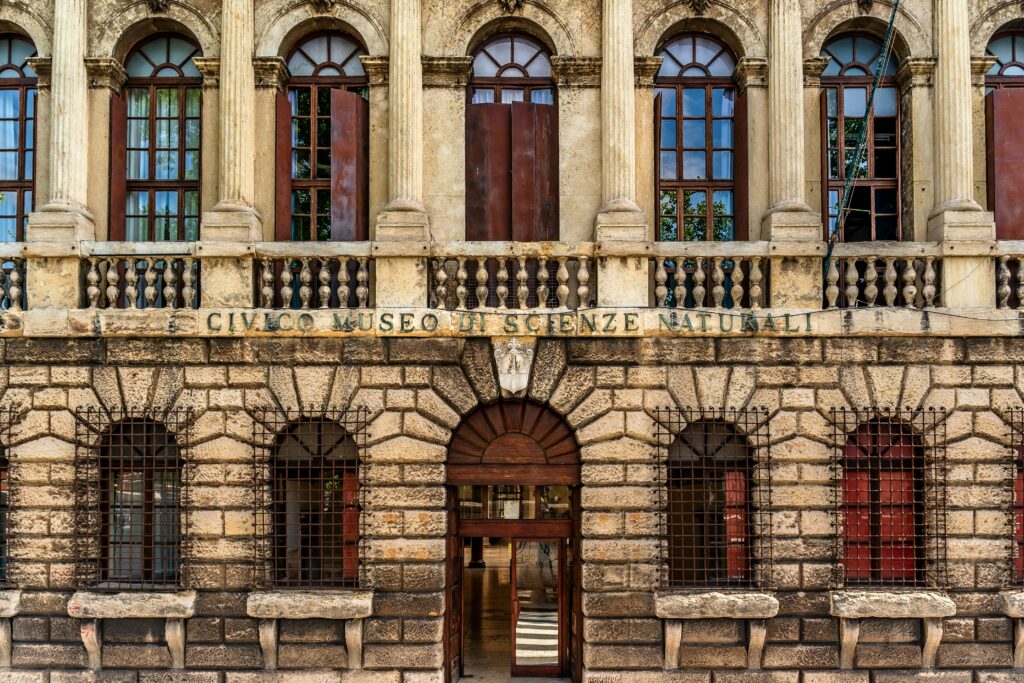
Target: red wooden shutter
{"x":741,"y":172}
{"x":350,"y":526}
{"x":1004,"y":133}
{"x":118,"y":166}
{"x":534,"y":166}
{"x":488,"y":168}
{"x":283,"y":170}
{"x":736,"y":540}
{"x":349,"y":154}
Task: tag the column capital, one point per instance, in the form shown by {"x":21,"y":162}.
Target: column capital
{"x":918,"y":72}
{"x":751,"y":73}
{"x":446,"y":72}
{"x":376,"y":69}
{"x":270,"y":72}
{"x":579,"y":72}
{"x":813,"y":67}
{"x":209,"y":67}
{"x":42,"y":66}
{"x":105,"y":73}
{"x":645,"y":70}
{"x":980,"y":67}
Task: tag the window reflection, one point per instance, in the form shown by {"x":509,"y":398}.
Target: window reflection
{"x":515,"y":502}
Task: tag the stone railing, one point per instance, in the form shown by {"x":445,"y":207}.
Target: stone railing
{"x":141,"y":275}
{"x":1010,"y":276}
{"x":884,"y":274}
{"x":511,"y":275}
{"x":729,"y":275}
{"x":306,"y":275}
{"x":12,"y":276}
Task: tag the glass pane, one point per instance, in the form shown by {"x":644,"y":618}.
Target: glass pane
{"x":668,"y":205}
{"x":723,"y":166}
{"x":193,"y":133}
{"x":694,"y":134}
{"x":167,"y":101}
{"x":545,"y":96}
{"x":668,"y":229}
{"x":323,"y":102}
{"x":722,"y":133}
{"x":138,"y":102}
{"x":695,"y":229}
{"x":723,"y":66}
{"x":484,"y":66}
{"x":300,"y":99}
{"x":694,"y":165}
{"x":841,"y":49}
{"x":668,"y":166}
{"x":536,"y":614}
{"x":855,"y":102}
{"x":725,"y":229}
{"x":193,"y":102}
{"x":668,"y":132}
{"x":138,"y":165}
{"x":138,"y":133}
{"x":885,"y":102}
{"x":885,"y":163}
{"x":323,"y":163}
{"x":167,"y":165}
{"x":300,"y":164}
{"x":8,"y":165}
{"x":668,"y":101}
{"x":540,"y":67}
{"x":832,"y":102}
{"x":723,"y":102}
{"x":1013,"y":71}
{"x":301,"y":133}
{"x":10,"y":103}
{"x":316,"y":49}
{"x":693,"y":102}
{"x":694,"y":202}
{"x":501,"y":50}
{"x":192,"y":169}
{"x":722,"y":203}
{"x":301,"y":202}
{"x":483,"y":95}
{"x":167,"y":133}
{"x":509,"y":96}
{"x":885,"y":201}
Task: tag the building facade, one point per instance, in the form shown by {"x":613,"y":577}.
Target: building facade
{"x":699,"y":323}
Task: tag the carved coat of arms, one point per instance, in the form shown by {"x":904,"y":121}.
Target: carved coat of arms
{"x":699,"y":7}
{"x":514,"y":362}
{"x":158,"y":5}
{"x":511,"y":6}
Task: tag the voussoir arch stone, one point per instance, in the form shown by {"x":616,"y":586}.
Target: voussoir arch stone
{"x":912,"y":40}
{"x":990,"y":20}
{"x":24,"y":19}
{"x":132,"y":23}
{"x":483,"y":20}
{"x":280,"y":24}
{"x":737,"y":27}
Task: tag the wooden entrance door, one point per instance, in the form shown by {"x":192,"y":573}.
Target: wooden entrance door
{"x":539,"y":607}
{"x":453,"y":662}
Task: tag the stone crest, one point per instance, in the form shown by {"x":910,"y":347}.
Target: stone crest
{"x":514,"y":361}
{"x":864,"y":5}
{"x":510,"y":6}
{"x":698,"y":7}
{"x":322,"y":6}
{"x":158,"y":5}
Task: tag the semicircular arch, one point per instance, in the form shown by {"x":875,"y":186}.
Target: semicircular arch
{"x":486,"y":20}
{"x":134,"y":23}
{"x":910,"y":38}
{"x":25,"y":21}
{"x":284,"y":23}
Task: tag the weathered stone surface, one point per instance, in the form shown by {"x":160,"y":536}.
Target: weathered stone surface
{"x":715,"y":605}
{"x":478,"y":363}
{"x":85,"y":605}
{"x":452,"y":385}
{"x":10,"y":603}
{"x":310,"y":605}
{"x":1013,"y":604}
{"x":890,"y":605}
{"x":548,"y":366}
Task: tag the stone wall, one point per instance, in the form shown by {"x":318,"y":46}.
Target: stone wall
{"x":416,"y":392}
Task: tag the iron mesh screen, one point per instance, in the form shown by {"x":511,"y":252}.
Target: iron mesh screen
{"x":131,"y":499}
{"x":1016,"y":417}
{"x":308,"y":499}
{"x":8,"y":417}
{"x":889,"y":488}
{"x":715,"y":474}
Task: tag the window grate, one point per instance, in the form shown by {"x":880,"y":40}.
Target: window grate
{"x":8,"y":417}
{"x":715,"y":474}
{"x":889,"y":492}
{"x":131,"y":499}
{"x":1016,"y":418}
{"x":308,"y":499}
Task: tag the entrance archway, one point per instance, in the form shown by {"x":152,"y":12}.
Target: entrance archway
{"x":513,"y":475}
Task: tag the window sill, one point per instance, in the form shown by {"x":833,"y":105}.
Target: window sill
{"x":134,"y":605}
{"x":716,"y":605}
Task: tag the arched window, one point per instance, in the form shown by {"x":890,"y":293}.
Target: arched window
{"x":140,"y":506}
{"x":874,"y":208}
{"x":710,"y":520}
{"x":512,"y":143}
{"x":696,"y":131}
{"x":156,"y":136}
{"x":1008,"y":71}
{"x":323,"y":138}
{"x":17,"y":135}
{"x":315,"y":523}
{"x":883,"y":505}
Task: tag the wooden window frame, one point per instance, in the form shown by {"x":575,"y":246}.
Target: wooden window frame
{"x":27,"y":87}
{"x":499,"y":83}
{"x":1000,"y":81}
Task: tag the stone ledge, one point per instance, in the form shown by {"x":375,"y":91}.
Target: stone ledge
{"x":86,"y":605}
{"x":890,"y":605}
{"x":749,"y":605}
{"x":1013,"y":604}
{"x":310,"y":605}
{"x":10,"y":603}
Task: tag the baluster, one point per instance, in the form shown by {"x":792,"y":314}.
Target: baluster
{"x":929,"y":290}
{"x":188,"y":280}
{"x":699,"y":291}
{"x":1004,"y":290}
{"x":1020,"y":282}
{"x":542,"y":282}
{"x":363,"y":283}
{"x":14,"y":291}
{"x":522,"y":290}
{"x":737,"y":283}
{"x":131,"y":283}
{"x":679,"y":291}
{"x":871,"y":281}
{"x":890,"y":281}
{"x":150,"y":290}
{"x":267,"y":281}
{"x":755,"y":282}
{"x":832,"y":283}
{"x":170,"y":290}
{"x":910,"y":284}
{"x":305,"y":282}
{"x":344,"y":288}
{"x":563,"y":282}
{"x":324,"y":278}
{"x":286,"y":284}
{"x":502,"y":289}
{"x":92,"y":279}
{"x":441,"y":278}
{"x":481,"y":281}
{"x":851,"y":278}
{"x":583,"y":277}
{"x":460,"y":291}
{"x":718,"y":278}
{"x":660,"y":280}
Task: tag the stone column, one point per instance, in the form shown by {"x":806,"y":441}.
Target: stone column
{"x":967,"y":281}
{"x":620,"y":218}
{"x":404,"y":217}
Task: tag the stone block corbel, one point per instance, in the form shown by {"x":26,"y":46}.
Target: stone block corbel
{"x":757,"y":633}
{"x":91,"y":631}
{"x":268,"y":643}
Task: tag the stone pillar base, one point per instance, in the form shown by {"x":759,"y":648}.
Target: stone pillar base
{"x":949,"y":226}
{"x":402,"y":226}
{"x":231,"y":225}
{"x":796,"y":281}
{"x":967,"y":281}
{"x":620,"y":226}
{"x":623,"y":281}
{"x":60,"y":226}
{"x":792,"y":226}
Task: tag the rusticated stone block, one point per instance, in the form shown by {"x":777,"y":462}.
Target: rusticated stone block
{"x":668,"y":351}
{"x":888,"y":656}
{"x":932,"y":350}
{"x":716,"y":605}
{"x":28,"y":350}
{"x":970,"y":655}
{"x":801,"y":656}
{"x":48,"y":656}
{"x":548,"y":366}
{"x":308,"y":656}
{"x":622,"y":656}
{"x":179,"y":677}
{"x":622,"y":630}
{"x":136,"y":656}
{"x":424,"y":350}
{"x":713,"y":657}
{"x":890,"y":605}
{"x":158,"y":351}
{"x":377,"y":656}
{"x":478,"y":363}
{"x":223,"y":657}
{"x":770,"y":350}
{"x":638,"y":604}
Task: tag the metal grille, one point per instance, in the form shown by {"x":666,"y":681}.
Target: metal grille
{"x":132,"y":482}
{"x":1016,"y":417}
{"x":8,"y":417}
{"x":889,"y":487}
{"x":308,"y":499}
{"x":715,"y":471}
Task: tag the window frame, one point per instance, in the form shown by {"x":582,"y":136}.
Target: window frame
{"x":1000,"y":81}
{"x":498,"y":83}
{"x":27,"y":88}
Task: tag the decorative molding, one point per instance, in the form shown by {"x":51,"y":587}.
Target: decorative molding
{"x":271,"y":72}
{"x":158,"y":6}
{"x":751,"y":72}
{"x":579,"y":72}
{"x":916,"y":73}
{"x":698,"y":7}
{"x":979,"y":69}
{"x":813,"y":66}
{"x":209,"y":67}
{"x":446,"y":72}
{"x":510,"y":6}
{"x":105,"y":73}
{"x":42,"y":66}
{"x":645,"y":70}
{"x":376,"y":69}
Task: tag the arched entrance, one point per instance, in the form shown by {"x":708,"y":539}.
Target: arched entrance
{"x":513,"y":478}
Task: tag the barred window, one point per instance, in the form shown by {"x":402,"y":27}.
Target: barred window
{"x":1017,"y":508}
{"x":717,"y":508}
{"x":308,"y":513}
{"x":131,"y":500}
{"x":5,"y":500}
{"x":890,"y":497}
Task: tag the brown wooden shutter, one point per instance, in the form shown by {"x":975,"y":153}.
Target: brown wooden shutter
{"x":283,"y":170}
{"x":1004,"y":134}
{"x":741,"y":172}
{"x":118,"y":166}
{"x":488,"y":168}
{"x":349,"y":173}
{"x":657,"y":166}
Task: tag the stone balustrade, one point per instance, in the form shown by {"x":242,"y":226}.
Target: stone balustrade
{"x":721,"y":275}
{"x":295,"y":275}
{"x":12,"y":276}
{"x":511,"y":275}
{"x":889,"y":274}
{"x":140,"y":276}
{"x":1010,"y":276}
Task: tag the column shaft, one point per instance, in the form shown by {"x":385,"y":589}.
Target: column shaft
{"x":237,"y":105}
{"x":405,"y":76}
{"x":69,"y":96}
{"x":954,"y":181}
{"x":786,"y":108}
{"x":618,"y":107}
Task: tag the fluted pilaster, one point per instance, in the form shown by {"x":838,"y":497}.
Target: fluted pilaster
{"x":786,"y":108}
{"x":237,"y":106}
{"x":618,"y":108}
{"x":69,"y":88}
{"x":405,"y":88}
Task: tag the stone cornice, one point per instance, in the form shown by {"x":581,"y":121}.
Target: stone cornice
{"x":916,"y":73}
{"x":446,"y":72}
{"x":209,"y":67}
{"x":271,"y":72}
{"x":645,"y":70}
{"x":105,"y":73}
{"x":813,"y":66}
{"x":751,"y":73}
{"x":577,"y":72}
{"x":376,"y":69}
{"x":41,"y":65}
{"x":979,"y":69}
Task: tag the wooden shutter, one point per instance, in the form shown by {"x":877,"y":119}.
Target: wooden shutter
{"x":741,"y":173}
{"x":1004,"y":134}
{"x":488,"y":169}
{"x":657,"y":167}
{"x":349,"y":174}
{"x":283,"y":169}
{"x":118,"y":166}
